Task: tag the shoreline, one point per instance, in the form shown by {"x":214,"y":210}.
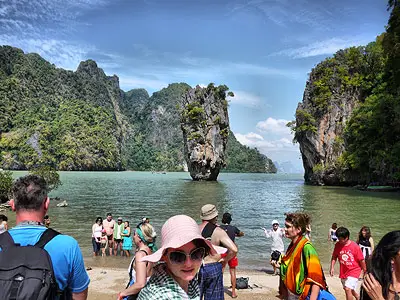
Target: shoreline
{"x":107,"y":282}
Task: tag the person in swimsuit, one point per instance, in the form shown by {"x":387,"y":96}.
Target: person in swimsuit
{"x":365,"y":241}
{"x":332,"y":233}
{"x":108,"y":225}
{"x":126,"y":239}
{"x":140,"y":271}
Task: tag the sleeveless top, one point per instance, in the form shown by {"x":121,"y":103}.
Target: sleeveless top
{"x":208,"y":231}
{"x":365,"y":246}
{"x":132,"y":271}
{"x":332,"y":233}
{"x":97,"y":231}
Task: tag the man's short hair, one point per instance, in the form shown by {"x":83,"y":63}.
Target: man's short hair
{"x":29,"y":192}
{"x":342,"y":232}
{"x":226,"y":218}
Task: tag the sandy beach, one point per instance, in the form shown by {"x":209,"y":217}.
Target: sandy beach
{"x":106,"y":282}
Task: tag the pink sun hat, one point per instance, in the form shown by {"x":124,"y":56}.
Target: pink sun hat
{"x":178,"y":231}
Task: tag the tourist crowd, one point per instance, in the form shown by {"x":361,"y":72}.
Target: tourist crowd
{"x":191,"y":260}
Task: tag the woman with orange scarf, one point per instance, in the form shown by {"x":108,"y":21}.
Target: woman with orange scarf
{"x":301,"y":271}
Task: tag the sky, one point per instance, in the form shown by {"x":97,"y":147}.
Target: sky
{"x":263,"y":50}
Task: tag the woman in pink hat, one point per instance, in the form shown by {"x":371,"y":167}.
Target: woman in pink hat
{"x":180,"y":256}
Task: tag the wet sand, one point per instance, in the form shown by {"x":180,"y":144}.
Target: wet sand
{"x":107,"y":281}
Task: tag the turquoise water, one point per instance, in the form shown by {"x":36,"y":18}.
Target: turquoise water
{"x":253,"y":199}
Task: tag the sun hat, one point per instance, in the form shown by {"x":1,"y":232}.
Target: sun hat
{"x":275,"y":222}
{"x":208,"y":212}
{"x":178,"y":231}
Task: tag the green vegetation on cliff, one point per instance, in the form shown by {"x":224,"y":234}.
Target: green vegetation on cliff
{"x":364,"y":81}
{"x":82,"y":120}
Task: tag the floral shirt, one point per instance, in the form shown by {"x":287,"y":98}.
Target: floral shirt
{"x":162,"y":286}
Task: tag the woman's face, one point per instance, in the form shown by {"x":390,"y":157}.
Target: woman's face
{"x":126,"y":224}
{"x":364,"y":233}
{"x":98,"y":222}
{"x":188,"y":269}
{"x":396,"y":262}
{"x":136,"y":239}
{"x":291,"y":232}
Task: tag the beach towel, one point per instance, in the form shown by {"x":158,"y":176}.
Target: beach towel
{"x":298,"y":276}
{"x":211,"y":282}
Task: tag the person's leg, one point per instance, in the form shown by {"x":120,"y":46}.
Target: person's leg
{"x":348,"y":293}
{"x":232,"y":271}
{"x":355,"y":294}
{"x":120,"y":247}
{"x":94,"y":246}
{"x":115,"y":247}
{"x":110,"y":244}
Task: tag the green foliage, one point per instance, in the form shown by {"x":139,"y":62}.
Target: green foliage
{"x":6,"y":181}
{"x":242,"y":159}
{"x":49,"y":174}
{"x":304,"y":124}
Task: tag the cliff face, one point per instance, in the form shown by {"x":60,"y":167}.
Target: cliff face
{"x":70,"y":120}
{"x":336,"y":88}
{"x":205,"y":127}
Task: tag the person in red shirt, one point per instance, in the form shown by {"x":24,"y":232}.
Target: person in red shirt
{"x":351,"y":262}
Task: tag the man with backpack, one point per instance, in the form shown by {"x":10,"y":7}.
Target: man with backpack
{"x":32,"y":256}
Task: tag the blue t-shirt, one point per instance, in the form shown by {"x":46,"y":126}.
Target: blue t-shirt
{"x":65,"y":255}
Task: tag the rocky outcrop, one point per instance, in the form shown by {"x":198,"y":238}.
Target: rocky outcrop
{"x":330,"y":96}
{"x":205,"y":127}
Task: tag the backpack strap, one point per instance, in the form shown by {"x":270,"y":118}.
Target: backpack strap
{"x":6,"y":240}
{"x":46,"y":237}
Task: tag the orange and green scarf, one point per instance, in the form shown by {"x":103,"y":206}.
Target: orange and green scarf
{"x":299,"y":275}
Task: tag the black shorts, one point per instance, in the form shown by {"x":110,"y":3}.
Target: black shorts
{"x":275,"y":255}
{"x":117,"y":240}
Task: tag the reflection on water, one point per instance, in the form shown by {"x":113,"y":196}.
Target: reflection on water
{"x":253,"y":199}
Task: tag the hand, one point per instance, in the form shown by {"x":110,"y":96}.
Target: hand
{"x":119,"y":296}
{"x":331,"y":272}
{"x":372,"y":287}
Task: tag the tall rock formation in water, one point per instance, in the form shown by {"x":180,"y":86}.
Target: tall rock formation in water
{"x":205,"y":127}
{"x":329,"y":120}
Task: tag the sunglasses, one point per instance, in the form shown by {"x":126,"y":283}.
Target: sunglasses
{"x":179,"y":257}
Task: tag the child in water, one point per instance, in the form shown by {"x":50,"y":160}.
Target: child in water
{"x":103,"y":242}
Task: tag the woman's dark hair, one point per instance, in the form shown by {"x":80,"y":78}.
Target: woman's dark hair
{"x":342,"y":232}
{"x":367,"y":231}
{"x":334,"y":226}
{"x":226,"y":218}
{"x":127,"y":222}
{"x":200,"y":243}
{"x":380,"y":263}
{"x":99,"y":219}
{"x":3,"y":218}
{"x":299,"y":220}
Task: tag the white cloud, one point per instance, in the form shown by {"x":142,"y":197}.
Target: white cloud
{"x":324,"y":47}
{"x":245,"y":99}
{"x":274,"y":126}
{"x":266,"y":146}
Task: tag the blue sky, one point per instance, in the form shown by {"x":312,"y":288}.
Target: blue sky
{"x":262,"y":49}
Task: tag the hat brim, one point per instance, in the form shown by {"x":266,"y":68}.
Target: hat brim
{"x":156,"y":256}
{"x":210,"y":217}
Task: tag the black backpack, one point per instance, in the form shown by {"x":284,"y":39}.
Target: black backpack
{"x":26,"y":272}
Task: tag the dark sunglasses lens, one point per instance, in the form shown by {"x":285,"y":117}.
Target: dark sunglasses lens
{"x":177,"y":257}
{"x":197,"y":254}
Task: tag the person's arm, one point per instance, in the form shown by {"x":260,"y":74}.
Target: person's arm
{"x":80,"y":296}
{"x":371,"y":240}
{"x":266,"y":232}
{"x":333,"y":261}
{"x":238,"y":233}
{"x":93,"y":227}
{"x":141,"y":276}
{"x":329,"y":235}
{"x":314,"y":292}
{"x":363,"y":266}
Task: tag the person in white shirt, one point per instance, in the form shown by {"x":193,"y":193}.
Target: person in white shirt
{"x":277,"y":247}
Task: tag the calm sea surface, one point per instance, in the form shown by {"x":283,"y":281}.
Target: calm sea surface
{"x":254,"y":200}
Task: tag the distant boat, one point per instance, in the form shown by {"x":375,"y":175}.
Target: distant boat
{"x":382,"y":188}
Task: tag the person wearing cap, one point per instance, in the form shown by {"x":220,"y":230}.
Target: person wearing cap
{"x":277,"y":247}
{"x":211,"y":275}
{"x":118,"y":229}
{"x":108,"y":225}
{"x":232,"y":232}
{"x":180,"y":256}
